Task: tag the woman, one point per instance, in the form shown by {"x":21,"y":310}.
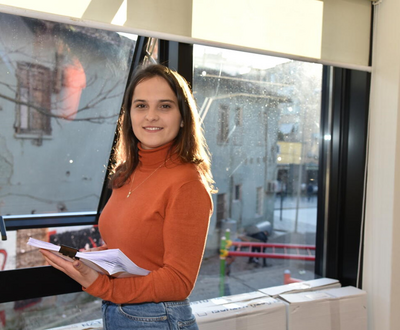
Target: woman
{"x":159,"y":211}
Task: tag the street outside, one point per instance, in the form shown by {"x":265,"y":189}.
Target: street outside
{"x":247,"y":277}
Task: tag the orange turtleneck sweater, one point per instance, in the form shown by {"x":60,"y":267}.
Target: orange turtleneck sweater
{"x":161,"y":227}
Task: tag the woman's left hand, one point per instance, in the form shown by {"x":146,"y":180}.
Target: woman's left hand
{"x":77,"y":270}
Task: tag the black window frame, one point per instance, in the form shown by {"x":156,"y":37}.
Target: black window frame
{"x":342,"y":163}
{"x":340,"y":206}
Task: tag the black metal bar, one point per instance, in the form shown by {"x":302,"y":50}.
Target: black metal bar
{"x":139,"y":54}
{"x":36,"y":282}
{"x":177,"y":56}
{"x":54,"y":220}
{"x":347,"y":168}
{"x":3,"y":229}
{"x":323,"y":172}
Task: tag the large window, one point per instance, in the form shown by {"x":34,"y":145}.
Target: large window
{"x":261,"y":117}
{"x":61,"y":90}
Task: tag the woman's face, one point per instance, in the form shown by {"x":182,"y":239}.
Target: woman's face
{"x":155,"y":115}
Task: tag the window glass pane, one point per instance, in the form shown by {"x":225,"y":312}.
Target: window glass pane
{"x":47,"y":312}
{"x":15,"y":253}
{"x":261,"y":119}
{"x":61,"y":90}
{"x":50,"y":312}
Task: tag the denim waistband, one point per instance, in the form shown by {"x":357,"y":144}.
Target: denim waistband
{"x":177,"y":303}
{"x":185,"y":302}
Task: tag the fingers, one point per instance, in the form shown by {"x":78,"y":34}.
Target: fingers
{"x":55,"y":261}
{"x":75,"y":269}
{"x":51,"y":263}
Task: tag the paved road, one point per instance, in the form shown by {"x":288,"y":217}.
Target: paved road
{"x":247,"y":277}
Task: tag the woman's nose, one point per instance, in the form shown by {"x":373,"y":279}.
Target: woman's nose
{"x":151,"y":114}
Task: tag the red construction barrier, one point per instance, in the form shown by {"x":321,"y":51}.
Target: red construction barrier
{"x":275,"y":245}
{"x":308,"y":255}
{"x":271,"y":255}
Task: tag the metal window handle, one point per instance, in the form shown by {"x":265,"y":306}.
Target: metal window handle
{"x":3,"y":229}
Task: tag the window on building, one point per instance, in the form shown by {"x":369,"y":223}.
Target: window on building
{"x":221,"y":209}
{"x":33,"y":112}
{"x":238,"y":192}
{"x":223,"y":124}
{"x":237,"y":135}
{"x":239,"y":116}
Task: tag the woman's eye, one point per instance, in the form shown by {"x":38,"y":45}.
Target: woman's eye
{"x":140,"y":106}
{"x":165,"y":106}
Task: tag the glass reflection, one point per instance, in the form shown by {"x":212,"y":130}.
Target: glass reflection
{"x":61,"y":88}
{"x":47,"y":312}
{"x":51,"y":312}
{"x":261,"y":118}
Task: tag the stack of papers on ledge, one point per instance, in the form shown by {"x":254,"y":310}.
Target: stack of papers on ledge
{"x":311,"y":285}
{"x":110,"y":262}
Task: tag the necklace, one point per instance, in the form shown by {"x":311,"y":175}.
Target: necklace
{"x":133,"y":179}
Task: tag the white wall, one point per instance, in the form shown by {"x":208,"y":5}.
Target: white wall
{"x":382,"y":243}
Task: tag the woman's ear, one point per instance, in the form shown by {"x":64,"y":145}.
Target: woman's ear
{"x":182,"y":123}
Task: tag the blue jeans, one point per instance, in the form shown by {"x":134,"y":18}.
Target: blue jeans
{"x":172,"y":315}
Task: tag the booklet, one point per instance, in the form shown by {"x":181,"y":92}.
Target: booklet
{"x":111,"y":262}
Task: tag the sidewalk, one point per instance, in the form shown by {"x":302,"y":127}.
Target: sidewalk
{"x":289,"y":218}
{"x":245,"y":277}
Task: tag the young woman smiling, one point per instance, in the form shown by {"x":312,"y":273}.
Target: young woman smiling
{"x":159,"y":210}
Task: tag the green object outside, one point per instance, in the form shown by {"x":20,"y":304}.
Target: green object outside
{"x":222,"y":256}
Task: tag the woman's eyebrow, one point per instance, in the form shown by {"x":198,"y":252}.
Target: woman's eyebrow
{"x":167,"y":100}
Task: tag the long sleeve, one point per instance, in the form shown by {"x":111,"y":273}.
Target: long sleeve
{"x":184,"y":210}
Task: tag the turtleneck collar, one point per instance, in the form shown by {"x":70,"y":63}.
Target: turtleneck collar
{"x":154,"y":157}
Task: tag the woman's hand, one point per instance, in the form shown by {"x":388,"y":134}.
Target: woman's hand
{"x":76,"y":269}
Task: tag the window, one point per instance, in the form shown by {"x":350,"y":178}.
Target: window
{"x":260,"y":155}
{"x":238,"y":192}
{"x":33,"y":99}
{"x":223,"y":124}
{"x":64,"y":82}
{"x":221,"y":209}
{"x":262,"y":177}
{"x":238,"y":128}
{"x":239,"y":116}
{"x":61,"y":90}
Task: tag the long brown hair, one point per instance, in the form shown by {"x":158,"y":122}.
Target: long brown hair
{"x":189,"y":144}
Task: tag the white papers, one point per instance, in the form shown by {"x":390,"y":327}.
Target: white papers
{"x":110,"y":262}
{"x":254,"y":314}
{"x":311,"y":285}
